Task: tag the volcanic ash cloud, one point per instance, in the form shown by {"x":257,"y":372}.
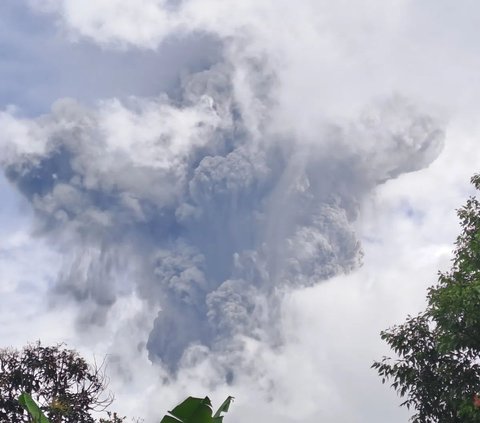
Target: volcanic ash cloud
{"x":206,"y":218}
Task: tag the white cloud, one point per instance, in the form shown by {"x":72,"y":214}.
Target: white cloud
{"x":345,"y":54}
{"x":159,"y":135}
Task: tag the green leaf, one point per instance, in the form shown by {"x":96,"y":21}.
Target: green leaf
{"x":224,"y":407}
{"x":192,"y":410}
{"x":169,"y":419}
{"x":31,"y":406}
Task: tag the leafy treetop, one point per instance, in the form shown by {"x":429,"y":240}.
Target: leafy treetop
{"x":438,"y":366}
{"x":64,"y":385}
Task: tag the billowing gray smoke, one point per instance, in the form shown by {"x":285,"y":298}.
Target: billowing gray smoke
{"x":205,"y":216}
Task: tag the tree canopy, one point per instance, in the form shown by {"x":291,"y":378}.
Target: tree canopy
{"x":64,"y":385}
{"x":437,"y":370}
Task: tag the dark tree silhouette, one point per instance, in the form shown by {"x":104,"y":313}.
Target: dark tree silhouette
{"x":64,"y":385}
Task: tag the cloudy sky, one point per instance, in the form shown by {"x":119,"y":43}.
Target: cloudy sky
{"x":232,"y":198}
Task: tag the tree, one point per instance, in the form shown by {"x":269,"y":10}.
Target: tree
{"x":64,"y":385}
{"x":438,"y":364}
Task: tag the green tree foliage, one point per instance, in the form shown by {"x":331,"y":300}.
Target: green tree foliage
{"x":438,"y":366}
{"x":64,"y":385}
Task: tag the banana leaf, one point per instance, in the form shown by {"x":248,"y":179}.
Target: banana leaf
{"x":27,"y":402}
{"x":196,"y":410}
